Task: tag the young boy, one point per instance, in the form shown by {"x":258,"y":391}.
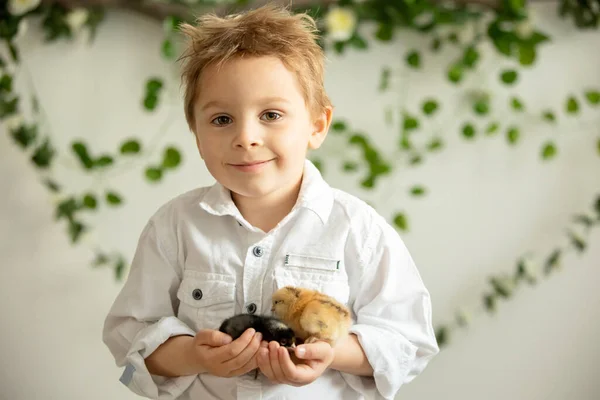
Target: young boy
{"x":256,"y":103}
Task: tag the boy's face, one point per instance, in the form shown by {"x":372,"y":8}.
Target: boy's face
{"x":253,"y":128}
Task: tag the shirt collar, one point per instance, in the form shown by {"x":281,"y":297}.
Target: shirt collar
{"x":315,"y":195}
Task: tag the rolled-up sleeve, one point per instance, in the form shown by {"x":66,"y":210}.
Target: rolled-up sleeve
{"x":393,"y":315}
{"x":143,"y":317}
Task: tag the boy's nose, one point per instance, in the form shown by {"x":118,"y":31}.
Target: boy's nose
{"x":247,"y":137}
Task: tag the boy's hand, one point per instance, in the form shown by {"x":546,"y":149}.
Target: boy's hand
{"x":216,"y":354}
{"x":310,"y":361}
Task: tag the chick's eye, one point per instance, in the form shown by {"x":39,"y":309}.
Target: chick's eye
{"x":221,"y":120}
{"x":271,"y":116}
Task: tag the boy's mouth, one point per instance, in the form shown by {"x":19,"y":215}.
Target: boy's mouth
{"x":250,"y":166}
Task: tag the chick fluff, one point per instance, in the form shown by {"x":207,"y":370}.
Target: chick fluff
{"x":312,"y":315}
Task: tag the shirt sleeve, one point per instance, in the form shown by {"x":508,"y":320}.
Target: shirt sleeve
{"x":143,"y":317}
{"x":393,"y":315}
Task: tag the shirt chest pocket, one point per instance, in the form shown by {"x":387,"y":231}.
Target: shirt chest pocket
{"x":323,"y":274}
{"x":206,"y":299}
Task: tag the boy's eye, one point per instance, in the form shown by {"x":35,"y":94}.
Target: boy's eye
{"x":221,"y":120}
{"x":271,"y":116}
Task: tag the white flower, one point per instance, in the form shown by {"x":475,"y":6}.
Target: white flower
{"x":20,"y":7}
{"x":77,"y":18}
{"x":341,"y":23}
{"x":13,"y":122}
{"x":524,"y":29}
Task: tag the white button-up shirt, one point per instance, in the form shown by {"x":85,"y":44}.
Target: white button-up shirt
{"x":198,"y":262}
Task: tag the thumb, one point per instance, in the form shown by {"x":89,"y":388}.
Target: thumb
{"x":212,"y":338}
{"x":313,"y":351}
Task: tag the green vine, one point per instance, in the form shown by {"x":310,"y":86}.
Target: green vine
{"x":464,"y":28}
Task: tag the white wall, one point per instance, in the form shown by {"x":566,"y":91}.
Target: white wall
{"x":487,"y":205}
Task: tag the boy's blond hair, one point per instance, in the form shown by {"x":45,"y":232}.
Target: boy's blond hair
{"x":266,"y":31}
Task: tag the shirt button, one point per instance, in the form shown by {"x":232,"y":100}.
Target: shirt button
{"x":197,"y":294}
{"x":258,"y":251}
{"x":251,"y":308}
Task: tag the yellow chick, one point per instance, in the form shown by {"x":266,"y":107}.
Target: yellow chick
{"x":312,"y":315}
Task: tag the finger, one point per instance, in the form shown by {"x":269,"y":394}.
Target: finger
{"x":233,"y":349}
{"x":275,"y":366}
{"x":251,"y":365}
{"x":264,"y":363}
{"x":313,"y":351}
{"x":289,"y":369}
{"x":246,"y":355}
{"x":212,"y":338}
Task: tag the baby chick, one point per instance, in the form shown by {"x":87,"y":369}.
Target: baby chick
{"x":272,"y":329}
{"x":312,"y":315}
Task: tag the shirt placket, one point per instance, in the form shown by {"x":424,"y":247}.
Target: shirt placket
{"x":255,"y":266}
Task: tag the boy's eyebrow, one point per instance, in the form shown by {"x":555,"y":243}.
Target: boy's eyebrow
{"x":218,"y":104}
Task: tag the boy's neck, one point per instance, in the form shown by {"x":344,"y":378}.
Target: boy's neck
{"x":267,"y":211}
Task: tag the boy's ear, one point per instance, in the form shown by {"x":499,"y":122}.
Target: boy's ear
{"x":320,"y":128}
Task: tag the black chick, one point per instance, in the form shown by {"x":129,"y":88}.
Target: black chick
{"x":271,"y":328}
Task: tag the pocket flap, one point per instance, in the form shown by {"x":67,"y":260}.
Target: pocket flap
{"x":202,"y":289}
{"x":314,"y":262}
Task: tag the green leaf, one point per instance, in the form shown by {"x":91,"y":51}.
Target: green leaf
{"x":113,"y":198}
{"x":455,"y":73}
{"x":481,"y":107}
{"x":405,"y":142}
{"x":339,"y":47}
{"x":80,"y":149}
{"x":103,"y":161}
{"x":150,"y":102}
{"x":435,"y":144}
{"x":384,"y":81}
{"x":430,"y":107}
{"x":470,"y":57}
{"x":489,"y":302}
{"x":6,"y":83}
{"x":385,"y":32}
{"x":509,"y":77}
{"x":66,"y":208}
{"x":549,"y":116}
{"x":52,"y":185}
{"x":410,"y":122}
{"x":153,"y":174}
{"x":415,"y":159}
{"x":492,"y":128}
{"x":468,"y":131}
{"x":517,"y":104}
{"x":168,"y":49}
{"x":76,"y":229}
{"x":572,"y":106}
{"x":436,"y":44}
{"x":553,"y":262}
{"x":401,"y":222}
{"x":43,"y":155}
{"x":153,"y":85}
{"x":597,"y":206}
{"x":577,"y":242}
{"x":130,"y":147}
{"x":171,"y":158}
{"x":318,"y":165}
{"x":8,"y":107}
{"x":593,"y":97}
{"x":442,"y":336}
{"x":527,"y":55}
{"x":339,"y":126}
{"x":358,"y":42}
{"x":501,"y":287}
{"x":413,"y":59}
{"x":24,"y":136}
{"x":598,"y":146}
{"x":453,"y":38}
{"x":171,"y":24}
{"x":119,"y":269}
{"x":89,"y":200}
{"x":513,"y":135}
{"x":350,"y":166}
{"x":417,"y":191}
{"x":548,"y":151}
{"x":585,"y":220}
{"x":101,"y":259}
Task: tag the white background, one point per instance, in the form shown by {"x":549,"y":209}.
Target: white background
{"x":487,"y":205}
